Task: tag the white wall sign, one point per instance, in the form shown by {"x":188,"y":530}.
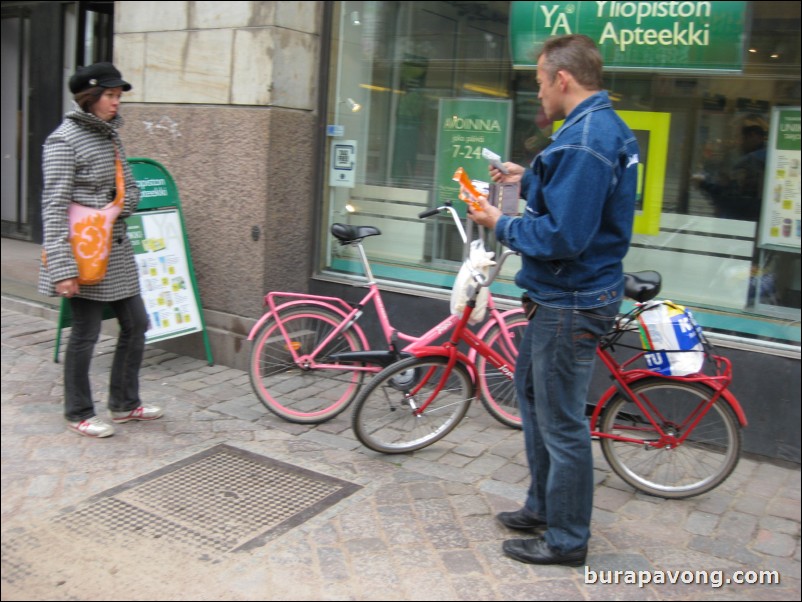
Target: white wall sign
{"x":343,"y":163}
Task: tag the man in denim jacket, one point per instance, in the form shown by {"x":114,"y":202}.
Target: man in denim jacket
{"x":573,"y":236}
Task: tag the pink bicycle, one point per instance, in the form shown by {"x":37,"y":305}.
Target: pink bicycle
{"x":309,"y":355}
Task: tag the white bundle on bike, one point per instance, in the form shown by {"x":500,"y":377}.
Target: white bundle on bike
{"x":478,"y":260}
{"x":674,"y":336}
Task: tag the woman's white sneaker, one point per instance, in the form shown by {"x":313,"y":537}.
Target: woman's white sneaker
{"x":140,"y":413}
{"x":92,"y":427}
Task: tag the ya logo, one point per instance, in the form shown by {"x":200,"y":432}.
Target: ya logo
{"x":557,"y":22}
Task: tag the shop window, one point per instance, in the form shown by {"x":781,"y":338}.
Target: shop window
{"x":396,"y":65}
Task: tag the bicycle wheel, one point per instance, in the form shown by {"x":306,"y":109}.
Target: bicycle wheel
{"x":297,"y":393}
{"x":496,"y":390}
{"x":384,"y":417}
{"x":701,"y":462}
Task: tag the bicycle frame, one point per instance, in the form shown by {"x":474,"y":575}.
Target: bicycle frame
{"x":719,"y":383}
{"x":461,"y":333}
{"x":277,"y":302}
{"x":623,"y":377}
{"x":373,"y":360}
{"x":350,"y":314}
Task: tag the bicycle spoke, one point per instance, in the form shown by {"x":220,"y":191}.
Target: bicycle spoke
{"x":386,"y":417}
{"x":671,"y":467}
{"x":302,"y":392}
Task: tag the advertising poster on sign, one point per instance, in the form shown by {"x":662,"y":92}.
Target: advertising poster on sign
{"x":164,"y":274}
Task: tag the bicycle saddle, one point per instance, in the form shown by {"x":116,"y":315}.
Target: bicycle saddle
{"x":348,"y":234}
{"x":642,"y":286}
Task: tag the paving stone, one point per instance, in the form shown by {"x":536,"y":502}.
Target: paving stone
{"x":785,"y":508}
{"x":460,"y":562}
{"x":701,"y":523}
{"x":774,"y":544}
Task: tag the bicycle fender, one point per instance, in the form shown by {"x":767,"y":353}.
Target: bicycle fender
{"x":289,"y":304}
{"x":490,"y":324}
{"x":441,"y":352}
{"x":257,"y":327}
{"x":608,"y":394}
{"x":736,"y":407}
{"x":726,"y":395}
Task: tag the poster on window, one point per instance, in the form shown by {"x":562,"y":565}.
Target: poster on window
{"x":167,"y":285}
{"x":466,"y":126}
{"x":780,"y":216}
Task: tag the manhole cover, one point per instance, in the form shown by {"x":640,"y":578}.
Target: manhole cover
{"x":221,"y":500}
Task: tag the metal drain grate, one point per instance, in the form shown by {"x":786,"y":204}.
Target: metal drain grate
{"x":221,"y":500}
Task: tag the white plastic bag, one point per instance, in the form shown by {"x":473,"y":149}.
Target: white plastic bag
{"x":478,"y":260}
{"x":674,"y":336}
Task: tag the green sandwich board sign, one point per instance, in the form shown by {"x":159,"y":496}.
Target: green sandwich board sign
{"x":653,"y":36}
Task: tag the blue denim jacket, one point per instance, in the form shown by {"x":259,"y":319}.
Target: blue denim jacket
{"x":580,"y":194}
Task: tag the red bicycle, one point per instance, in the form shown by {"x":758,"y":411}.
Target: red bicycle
{"x":669,"y":436}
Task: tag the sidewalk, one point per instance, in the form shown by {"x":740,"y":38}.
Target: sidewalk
{"x":220,"y":500}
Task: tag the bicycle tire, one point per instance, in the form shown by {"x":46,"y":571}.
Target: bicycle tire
{"x":298,"y":394}
{"x":383,"y":418}
{"x":496,"y":390}
{"x":700,"y":463}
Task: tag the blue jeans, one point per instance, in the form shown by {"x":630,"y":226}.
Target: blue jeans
{"x":552,"y":376}
{"x":87,"y":319}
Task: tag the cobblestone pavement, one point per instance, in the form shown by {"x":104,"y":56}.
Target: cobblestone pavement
{"x":419,"y":527}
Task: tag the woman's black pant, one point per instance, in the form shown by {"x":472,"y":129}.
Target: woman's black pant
{"x":87,"y":319}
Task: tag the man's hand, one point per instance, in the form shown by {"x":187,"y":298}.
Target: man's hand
{"x":486,"y":215}
{"x":515,"y":173}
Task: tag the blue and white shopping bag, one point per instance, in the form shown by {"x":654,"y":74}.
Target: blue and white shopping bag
{"x":674,"y":338}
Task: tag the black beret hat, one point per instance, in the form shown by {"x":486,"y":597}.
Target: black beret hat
{"x":105,"y":75}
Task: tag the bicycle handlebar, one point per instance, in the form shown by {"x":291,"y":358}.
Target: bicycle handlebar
{"x":454,"y":215}
{"x":479,"y":277}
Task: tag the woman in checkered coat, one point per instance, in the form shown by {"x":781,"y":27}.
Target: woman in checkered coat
{"x":79,"y":165}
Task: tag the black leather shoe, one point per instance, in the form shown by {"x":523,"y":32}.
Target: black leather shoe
{"x":521,"y":520}
{"x":537,"y":551}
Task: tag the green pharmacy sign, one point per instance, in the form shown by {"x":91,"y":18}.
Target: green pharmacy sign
{"x":645,"y":36}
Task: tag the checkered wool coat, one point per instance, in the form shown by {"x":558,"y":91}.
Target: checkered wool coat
{"x":78,"y":165}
